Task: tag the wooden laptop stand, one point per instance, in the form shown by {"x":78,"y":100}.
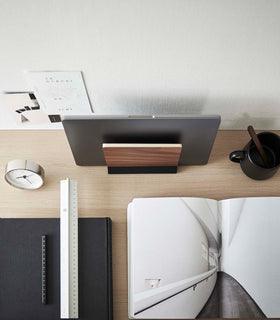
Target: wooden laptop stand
{"x":141,"y":158}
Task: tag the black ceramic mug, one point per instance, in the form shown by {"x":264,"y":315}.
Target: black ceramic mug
{"x":251,"y":161}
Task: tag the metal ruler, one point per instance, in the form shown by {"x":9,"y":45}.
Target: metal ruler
{"x":44,"y":269}
{"x":69,"y":304}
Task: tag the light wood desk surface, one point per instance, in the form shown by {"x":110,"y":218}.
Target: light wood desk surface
{"x":103,"y":195}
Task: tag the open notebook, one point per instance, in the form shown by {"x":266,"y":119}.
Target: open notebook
{"x":202,"y":258}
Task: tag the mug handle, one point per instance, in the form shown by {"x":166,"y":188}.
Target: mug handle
{"x":237,"y":156}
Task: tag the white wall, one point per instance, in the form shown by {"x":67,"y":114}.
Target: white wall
{"x":190,"y":301}
{"x":167,"y":242}
{"x":206,"y":212}
{"x":156,"y":56}
{"x":251,"y":249}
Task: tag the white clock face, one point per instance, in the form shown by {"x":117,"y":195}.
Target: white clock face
{"x":24,"y":179}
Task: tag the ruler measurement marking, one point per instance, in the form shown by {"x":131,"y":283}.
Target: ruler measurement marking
{"x":44,"y":269}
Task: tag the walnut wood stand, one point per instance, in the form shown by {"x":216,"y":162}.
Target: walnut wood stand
{"x":141,"y":158}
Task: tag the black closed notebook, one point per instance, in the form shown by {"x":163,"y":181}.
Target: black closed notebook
{"x":21,"y":269}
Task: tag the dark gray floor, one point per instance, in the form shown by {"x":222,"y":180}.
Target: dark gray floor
{"x":230,"y":300}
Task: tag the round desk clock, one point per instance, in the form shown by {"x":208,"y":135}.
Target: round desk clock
{"x":24,"y":174}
